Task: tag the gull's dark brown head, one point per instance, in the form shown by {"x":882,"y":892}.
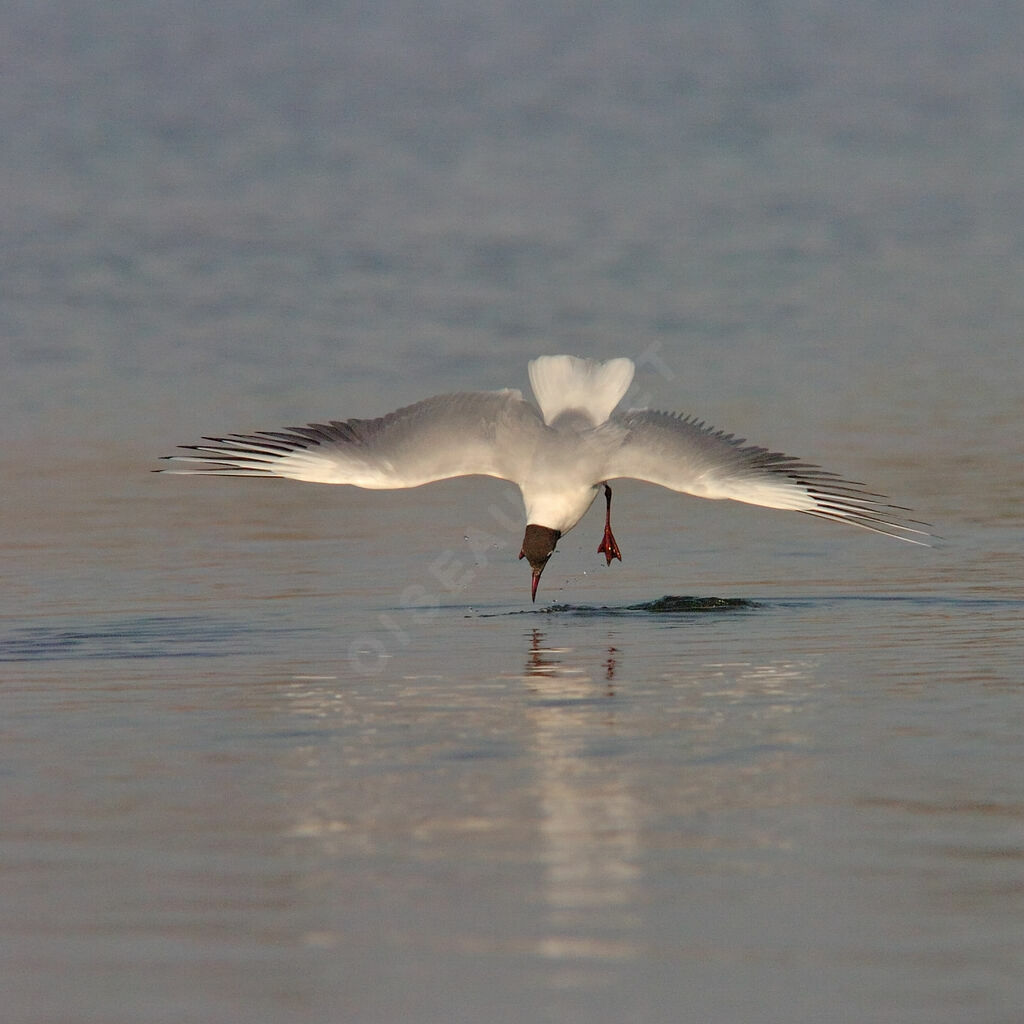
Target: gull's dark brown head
{"x":538,"y":546}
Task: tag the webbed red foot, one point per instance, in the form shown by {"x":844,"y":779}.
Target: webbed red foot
{"x":608,"y":547}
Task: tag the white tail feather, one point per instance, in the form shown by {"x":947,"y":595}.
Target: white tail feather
{"x":564,"y":383}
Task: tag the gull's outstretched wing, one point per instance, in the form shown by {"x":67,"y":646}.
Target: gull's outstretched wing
{"x":684,"y":454}
{"x":473,"y":433}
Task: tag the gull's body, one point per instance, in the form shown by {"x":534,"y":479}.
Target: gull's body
{"x":560,"y":455}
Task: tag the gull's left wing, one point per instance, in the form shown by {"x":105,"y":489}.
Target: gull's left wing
{"x":487,"y":433}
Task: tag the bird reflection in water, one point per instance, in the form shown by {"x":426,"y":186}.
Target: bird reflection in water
{"x":540,"y":660}
{"x":588,"y":817}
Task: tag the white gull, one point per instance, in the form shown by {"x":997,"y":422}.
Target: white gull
{"x":560,"y":456}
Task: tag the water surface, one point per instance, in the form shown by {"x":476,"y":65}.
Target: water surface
{"x":283,"y":752}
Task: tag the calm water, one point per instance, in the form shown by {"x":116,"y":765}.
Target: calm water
{"x":277,"y":752}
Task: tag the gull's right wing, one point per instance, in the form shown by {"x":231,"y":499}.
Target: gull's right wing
{"x":684,"y":454}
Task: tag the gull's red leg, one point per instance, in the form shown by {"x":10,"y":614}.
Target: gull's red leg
{"x":608,"y":547}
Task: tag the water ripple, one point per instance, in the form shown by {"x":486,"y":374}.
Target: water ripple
{"x":137,"y":637}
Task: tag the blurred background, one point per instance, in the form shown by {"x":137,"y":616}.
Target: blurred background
{"x":246,"y":212}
